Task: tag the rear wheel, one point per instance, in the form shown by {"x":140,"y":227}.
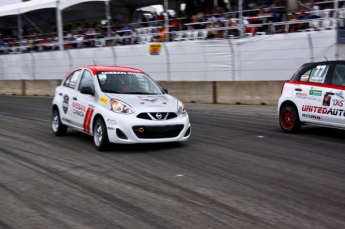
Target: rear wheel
{"x":58,"y":128}
{"x":289,"y":120}
{"x":100,"y":135}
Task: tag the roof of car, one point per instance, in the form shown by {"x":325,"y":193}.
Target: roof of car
{"x":104,"y":68}
{"x":325,"y":62}
{"x":111,"y":68}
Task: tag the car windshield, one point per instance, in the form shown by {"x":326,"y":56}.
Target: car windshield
{"x":127,"y":83}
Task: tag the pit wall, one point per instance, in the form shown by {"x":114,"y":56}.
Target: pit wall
{"x":214,"y":92}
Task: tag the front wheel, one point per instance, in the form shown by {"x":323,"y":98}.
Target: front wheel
{"x":289,"y":120}
{"x":100,"y":135}
{"x":58,"y":128}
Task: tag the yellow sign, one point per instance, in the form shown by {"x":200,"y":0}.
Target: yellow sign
{"x":155,"y":49}
{"x":103,"y":100}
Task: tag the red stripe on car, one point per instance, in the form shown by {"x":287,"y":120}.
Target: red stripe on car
{"x":318,"y":85}
{"x":86,"y":118}
{"x":89,"y":121}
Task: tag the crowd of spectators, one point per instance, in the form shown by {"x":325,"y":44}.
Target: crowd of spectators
{"x":260,"y":13}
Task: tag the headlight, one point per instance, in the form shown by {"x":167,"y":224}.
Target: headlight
{"x":180,"y":107}
{"x":120,"y":107}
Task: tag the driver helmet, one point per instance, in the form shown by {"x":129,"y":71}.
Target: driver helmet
{"x":124,"y":82}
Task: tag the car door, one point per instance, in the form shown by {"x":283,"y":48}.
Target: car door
{"x":335,"y":93}
{"x":309,"y":93}
{"x":67,"y":94}
{"x":84,"y":104}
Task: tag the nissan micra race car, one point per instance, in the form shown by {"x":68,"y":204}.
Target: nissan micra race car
{"x":314,"y":95}
{"x":118,"y":105}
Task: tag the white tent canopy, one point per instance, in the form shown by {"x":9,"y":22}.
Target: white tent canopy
{"x":33,"y":5}
{"x":20,"y":8}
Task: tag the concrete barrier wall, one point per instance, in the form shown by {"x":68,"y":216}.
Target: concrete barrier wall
{"x":199,"y":92}
{"x":221,"y":92}
{"x":248,"y":92}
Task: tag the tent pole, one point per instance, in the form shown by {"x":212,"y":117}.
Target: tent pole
{"x":240,"y":3}
{"x":59,"y":25}
{"x":167,"y":19}
{"x":20,"y":28}
{"x":107,"y":13}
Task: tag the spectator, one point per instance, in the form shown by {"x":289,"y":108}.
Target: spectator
{"x":175,"y":24}
{"x":315,"y":10}
{"x":273,"y":13}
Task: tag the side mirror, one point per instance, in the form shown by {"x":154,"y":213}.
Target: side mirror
{"x":165,"y":90}
{"x":87,"y":91}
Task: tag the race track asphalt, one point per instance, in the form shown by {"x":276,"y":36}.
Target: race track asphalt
{"x":238,"y":170}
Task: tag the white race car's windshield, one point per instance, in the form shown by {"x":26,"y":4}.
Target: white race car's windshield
{"x":127,"y":83}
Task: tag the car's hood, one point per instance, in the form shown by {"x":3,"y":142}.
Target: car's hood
{"x":146,"y":100}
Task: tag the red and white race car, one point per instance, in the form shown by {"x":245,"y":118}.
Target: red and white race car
{"x":314,"y":95}
{"x":118,"y":105}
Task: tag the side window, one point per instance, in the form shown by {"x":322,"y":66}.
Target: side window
{"x":72,"y":79}
{"x":316,"y":75}
{"x":338,"y":77}
{"x":86,"y":80}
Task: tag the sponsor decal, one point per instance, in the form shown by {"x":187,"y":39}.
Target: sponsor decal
{"x":323,"y":110}
{"x":87,"y":120}
{"x":111,"y":121}
{"x":111,"y":128}
{"x":318,"y":99}
{"x":65,"y":103}
{"x":305,"y":77}
{"x":338,"y":102}
{"x":327,"y":99}
{"x":103,"y":100}
{"x":148,"y":98}
{"x":103,"y":75}
{"x":78,"y":109}
{"x":311,"y":116}
{"x":301,"y":95}
{"x":155,"y":49}
{"x":315,"y":92}
{"x":340,"y":94}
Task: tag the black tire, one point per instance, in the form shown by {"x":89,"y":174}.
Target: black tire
{"x":289,"y":120}
{"x":100,"y":135}
{"x":58,"y":128}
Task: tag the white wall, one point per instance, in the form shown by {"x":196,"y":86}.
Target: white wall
{"x":269,"y":57}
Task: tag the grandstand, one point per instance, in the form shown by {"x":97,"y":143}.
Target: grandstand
{"x":196,"y":22}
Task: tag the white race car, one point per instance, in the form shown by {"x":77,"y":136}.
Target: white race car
{"x":118,"y":105}
{"x":314,"y":95}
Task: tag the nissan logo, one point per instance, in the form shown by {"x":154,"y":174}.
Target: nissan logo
{"x":159,"y":115}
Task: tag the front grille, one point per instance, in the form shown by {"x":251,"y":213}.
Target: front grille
{"x":151,"y":132}
{"x":157,"y":115}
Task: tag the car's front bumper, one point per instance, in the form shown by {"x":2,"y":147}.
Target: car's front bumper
{"x":158,"y":134}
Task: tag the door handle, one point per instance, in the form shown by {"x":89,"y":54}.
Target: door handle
{"x":60,"y":93}
{"x":298,"y":89}
{"x":329,"y":93}
{"x":74,"y":98}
